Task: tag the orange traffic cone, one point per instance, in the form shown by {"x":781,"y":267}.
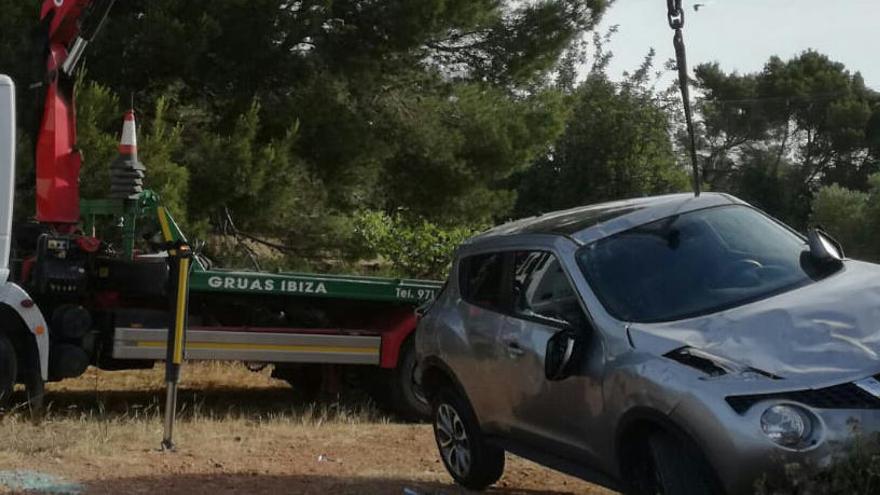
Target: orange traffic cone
{"x":126,"y":172}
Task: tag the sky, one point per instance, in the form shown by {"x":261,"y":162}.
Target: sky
{"x":742,"y":34}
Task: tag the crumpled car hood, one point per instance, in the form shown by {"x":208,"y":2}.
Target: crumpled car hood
{"x":829,"y":328}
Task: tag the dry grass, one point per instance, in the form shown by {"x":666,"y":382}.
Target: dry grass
{"x":99,"y":412}
{"x":94,"y":433}
{"x":239,"y":431}
{"x":221,"y":404}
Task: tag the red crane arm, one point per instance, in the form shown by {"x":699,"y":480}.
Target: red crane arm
{"x":69,"y":27}
{"x":64,"y":18}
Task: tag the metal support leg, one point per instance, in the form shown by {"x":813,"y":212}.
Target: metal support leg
{"x":179,"y":258}
{"x":170,"y":415}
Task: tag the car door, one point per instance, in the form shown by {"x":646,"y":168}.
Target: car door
{"x":482,"y":278}
{"x":554,"y":416}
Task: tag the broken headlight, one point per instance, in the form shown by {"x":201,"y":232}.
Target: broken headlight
{"x":787,"y":425}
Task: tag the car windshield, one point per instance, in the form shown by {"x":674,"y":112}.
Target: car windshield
{"x":695,"y":263}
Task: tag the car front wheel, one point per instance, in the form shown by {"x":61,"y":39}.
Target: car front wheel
{"x":673,"y":466}
{"x":471,"y":461}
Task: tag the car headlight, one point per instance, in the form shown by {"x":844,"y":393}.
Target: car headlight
{"x":786,"y":425}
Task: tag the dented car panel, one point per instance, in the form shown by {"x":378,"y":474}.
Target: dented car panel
{"x":827,"y":331}
{"x":765,"y":356}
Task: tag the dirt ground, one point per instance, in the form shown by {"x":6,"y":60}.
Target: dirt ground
{"x":239,"y":432}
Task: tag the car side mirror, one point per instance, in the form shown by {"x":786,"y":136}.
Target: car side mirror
{"x":562,"y":354}
{"x":823,"y":247}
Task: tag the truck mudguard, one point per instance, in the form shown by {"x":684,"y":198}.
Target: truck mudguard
{"x":21,"y":303}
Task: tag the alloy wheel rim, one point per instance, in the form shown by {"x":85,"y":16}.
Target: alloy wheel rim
{"x":455,"y":446}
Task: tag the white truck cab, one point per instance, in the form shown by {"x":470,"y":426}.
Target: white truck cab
{"x":7,"y":170}
{"x":24,"y":338}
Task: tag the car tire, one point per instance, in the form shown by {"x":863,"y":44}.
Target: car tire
{"x":674,"y":466}
{"x":469,"y":459}
{"x":407,"y":398}
{"x":8,"y":370}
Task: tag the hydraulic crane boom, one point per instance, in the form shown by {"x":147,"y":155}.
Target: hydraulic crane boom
{"x":69,"y":26}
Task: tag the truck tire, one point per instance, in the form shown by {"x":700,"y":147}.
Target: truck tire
{"x":469,"y":459}
{"x":305,"y":379}
{"x":407,"y":398}
{"x":67,"y":361}
{"x":71,"y":322}
{"x":35,"y":388}
{"x":8,"y":370}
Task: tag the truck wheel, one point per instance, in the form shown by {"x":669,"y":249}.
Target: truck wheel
{"x":8,"y":370}
{"x":407,"y":397}
{"x":674,"y":466}
{"x":36,"y":391}
{"x":305,"y":379}
{"x":471,"y":461}
{"x":67,"y":361}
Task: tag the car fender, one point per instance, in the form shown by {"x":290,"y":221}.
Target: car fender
{"x":435,"y":363}
{"x":668,"y":422}
{"x":21,"y":303}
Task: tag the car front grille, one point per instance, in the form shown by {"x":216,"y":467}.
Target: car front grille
{"x":845,"y":396}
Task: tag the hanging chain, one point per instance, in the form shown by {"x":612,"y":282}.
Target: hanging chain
{"x":676,"y":22}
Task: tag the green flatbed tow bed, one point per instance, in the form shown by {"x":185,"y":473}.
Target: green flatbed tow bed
{"x":314,"y":285}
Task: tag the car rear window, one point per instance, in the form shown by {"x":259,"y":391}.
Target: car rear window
{"x":481,"y":278}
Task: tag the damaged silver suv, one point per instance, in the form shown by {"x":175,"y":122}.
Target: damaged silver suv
{"x":674,"y":344}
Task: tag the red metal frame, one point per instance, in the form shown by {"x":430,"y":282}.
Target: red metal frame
{"x":401,"y":325}
{"x":58,"y":160}
{"x":65,"y":18}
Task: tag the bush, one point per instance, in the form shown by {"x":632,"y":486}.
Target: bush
{"x":852,"y":217}
{"x":414,"y":247}
{"x":857,"y":472}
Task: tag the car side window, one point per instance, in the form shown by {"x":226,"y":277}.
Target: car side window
{"x":481,"y":278}
{"x":541,"y":289}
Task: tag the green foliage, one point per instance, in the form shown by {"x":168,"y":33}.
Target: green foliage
{"x":804,"y":123}
{"x":855,"y":471}
{"x":417,"y":248}
{"x":160,"y":144}
{"x":616,"y":145}
{"x":453,"y":153}
{"x":99,"y":122}
{"x":853,"y":217}
{"x":292,"y":117}
{"x":256,"y":181}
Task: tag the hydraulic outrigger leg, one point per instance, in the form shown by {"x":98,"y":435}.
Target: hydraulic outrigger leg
{"x":179,"y":260}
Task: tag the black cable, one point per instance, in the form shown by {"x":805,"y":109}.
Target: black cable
{"x":675,"y":16}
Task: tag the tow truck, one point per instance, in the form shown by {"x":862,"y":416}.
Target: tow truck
{"x":86,"y":283}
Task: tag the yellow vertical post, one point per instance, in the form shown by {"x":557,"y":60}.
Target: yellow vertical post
{"x":179,"y":260}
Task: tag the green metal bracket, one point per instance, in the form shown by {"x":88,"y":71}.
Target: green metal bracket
{"x":127,"y":213}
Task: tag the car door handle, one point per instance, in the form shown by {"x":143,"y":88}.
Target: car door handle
{"x":515,"y":350}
